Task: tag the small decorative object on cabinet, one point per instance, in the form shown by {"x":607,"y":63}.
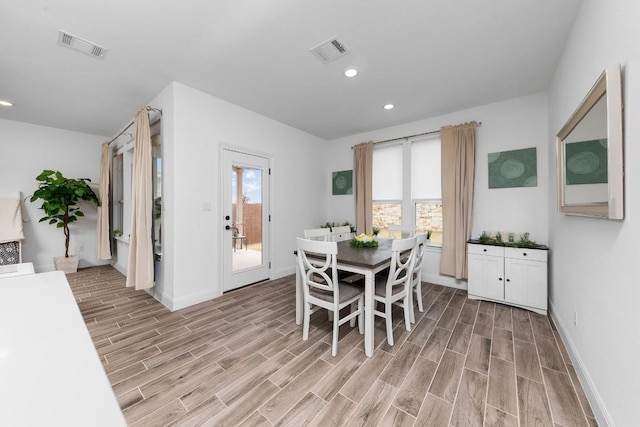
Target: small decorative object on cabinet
{"x":514,"y":276}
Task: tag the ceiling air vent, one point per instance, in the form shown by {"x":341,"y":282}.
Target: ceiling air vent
{"x":81,"y":45}
{"x":330,"y":50}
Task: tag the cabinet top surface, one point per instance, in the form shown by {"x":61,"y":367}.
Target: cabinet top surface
{"x":508,"y":245}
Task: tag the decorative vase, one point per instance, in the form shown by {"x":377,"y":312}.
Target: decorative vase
{"x":68,"y":265}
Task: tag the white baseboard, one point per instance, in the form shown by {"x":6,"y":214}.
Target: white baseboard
{"x":450,"y":282}
{"x":595,"y":400}
{"x":180,"y":303}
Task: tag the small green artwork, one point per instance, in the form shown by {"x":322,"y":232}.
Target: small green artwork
{"x":515,"y":168}
{"x":586,"y":162}
{"x":342,"y":182}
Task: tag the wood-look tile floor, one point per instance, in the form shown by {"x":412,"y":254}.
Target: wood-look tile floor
{"x":240,"y":361}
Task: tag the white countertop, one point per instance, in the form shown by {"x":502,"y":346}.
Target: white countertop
{"x":50,"y":372}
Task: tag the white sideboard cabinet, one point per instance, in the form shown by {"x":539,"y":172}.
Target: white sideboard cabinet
{"x":514,"y":276}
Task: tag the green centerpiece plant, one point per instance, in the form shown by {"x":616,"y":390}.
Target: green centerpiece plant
{"x":60,"y":201}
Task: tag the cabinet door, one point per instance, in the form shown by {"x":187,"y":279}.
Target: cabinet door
{"x":525,"y":282}
{"x":485,"y":276}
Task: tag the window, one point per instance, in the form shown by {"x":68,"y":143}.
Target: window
{"x":406,"y":186}
{"x":156,"y":185}
{"x":117,"y":192}
{"x":121,"y":181}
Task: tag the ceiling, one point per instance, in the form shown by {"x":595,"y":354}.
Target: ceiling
{"x":428,"y":57}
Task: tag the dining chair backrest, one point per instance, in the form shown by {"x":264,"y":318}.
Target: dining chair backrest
{"x":338,"y":234}
{"x":416,"y":281}
{"x":397,"y":231}
{"x":320,"y":270}
{"x":403,"y":258}
{"x":421,"y":244}
{"x":323,"y":234}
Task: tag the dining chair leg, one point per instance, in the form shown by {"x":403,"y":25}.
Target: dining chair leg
{"x":412,"y":316}
{"x":419,"y":296}
{"x":408,"y":312}
{"x":361,"y":316}
{"x":352,"y":322}
{"x":387,"y":310}
{"x":336,"y":331}
{"x":307,"y":320}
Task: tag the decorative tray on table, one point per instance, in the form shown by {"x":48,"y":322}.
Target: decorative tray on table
{"x":364,"y":241}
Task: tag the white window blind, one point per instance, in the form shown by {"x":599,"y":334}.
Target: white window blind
{"x":425,"y":169}
{"x":387,"y":173}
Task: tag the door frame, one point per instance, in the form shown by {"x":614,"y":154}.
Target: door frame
{"x":222,"y":222}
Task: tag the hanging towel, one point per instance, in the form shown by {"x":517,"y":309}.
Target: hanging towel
{"x":10,"y":220}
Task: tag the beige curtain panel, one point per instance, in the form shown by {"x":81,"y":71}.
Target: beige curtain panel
{"x":363,"y":175}
{"x":140,"y":272}
{"x":458,"y":157}
{"x":103,"y":239}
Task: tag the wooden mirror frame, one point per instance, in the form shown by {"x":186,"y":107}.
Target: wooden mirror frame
{"x":608,"y":85}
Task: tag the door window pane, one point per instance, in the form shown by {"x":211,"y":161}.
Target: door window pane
{"x":246,"y":199}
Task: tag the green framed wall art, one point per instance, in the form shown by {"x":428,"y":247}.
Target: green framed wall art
{"x":342,"y":182}
{"x":515,"y":168}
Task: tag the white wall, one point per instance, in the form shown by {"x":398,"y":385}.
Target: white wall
{"x":594,"y":262}
{"x":200,"y":124}
{"x":27,"y":150}
{"x":508,"y":125}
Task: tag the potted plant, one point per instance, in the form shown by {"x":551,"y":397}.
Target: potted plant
{"x":60,"y":197}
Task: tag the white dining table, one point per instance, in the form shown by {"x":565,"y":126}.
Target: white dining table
{"x":365,"y":261}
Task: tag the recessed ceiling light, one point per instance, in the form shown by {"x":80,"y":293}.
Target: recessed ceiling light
{"x":351,"y":72}
{"x":6,"y":103}
{"x":389,"y":107}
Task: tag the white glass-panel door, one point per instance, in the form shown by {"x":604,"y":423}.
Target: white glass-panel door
{"x":245,"y":222}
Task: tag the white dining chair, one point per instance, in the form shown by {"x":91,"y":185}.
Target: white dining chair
{"x":396,"y":287}
{"x":338,"y":234}
{"x":397,"y":231}
{"x":416,"y":284}
{"x":322,"y":234}
{"x":322,"y":288}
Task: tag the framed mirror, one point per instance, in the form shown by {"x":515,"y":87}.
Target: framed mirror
{"x":590,"y":153}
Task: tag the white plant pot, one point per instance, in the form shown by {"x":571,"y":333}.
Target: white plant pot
{"x":68,"y":265}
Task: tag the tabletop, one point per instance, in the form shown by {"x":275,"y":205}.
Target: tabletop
{"x":364,"y":257}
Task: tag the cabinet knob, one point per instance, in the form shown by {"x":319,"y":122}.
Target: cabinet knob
{"x":524,"y":254}
{"x":508,"y":280}
{"x":500,"y":279}
{"x":485,"y":250}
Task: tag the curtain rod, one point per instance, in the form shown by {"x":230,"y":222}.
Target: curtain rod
{"x":412,"y":136}
{"x":159,"y":110}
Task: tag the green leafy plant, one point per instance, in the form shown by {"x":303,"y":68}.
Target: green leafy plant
{"x":60,"y":197}
{"x":428,"y":233}
{"x":497,"y":241}
{"x":364,"y":244}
